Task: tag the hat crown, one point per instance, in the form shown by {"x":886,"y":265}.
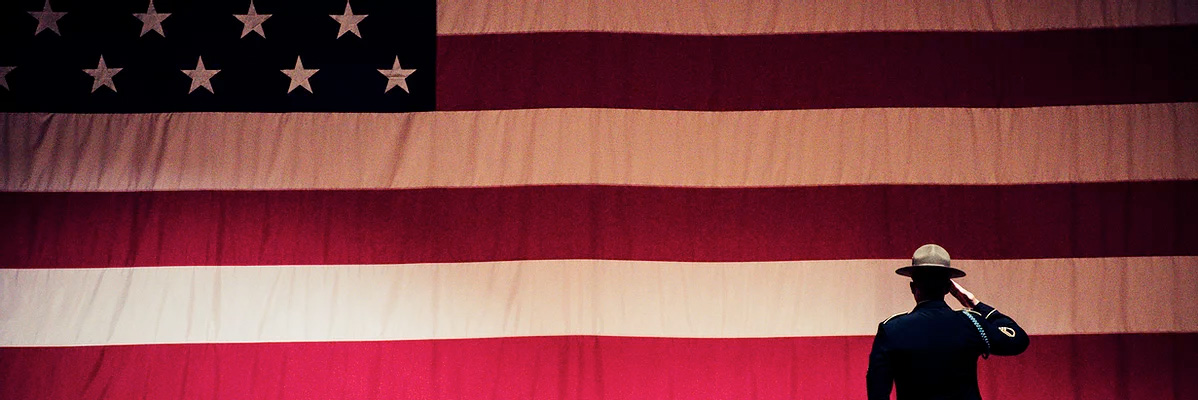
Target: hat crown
{"x":931,"y":255}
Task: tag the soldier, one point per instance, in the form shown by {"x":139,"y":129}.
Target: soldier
{"x":931,"y":352}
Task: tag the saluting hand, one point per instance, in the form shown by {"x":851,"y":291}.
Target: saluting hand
{"x":964,"y":296}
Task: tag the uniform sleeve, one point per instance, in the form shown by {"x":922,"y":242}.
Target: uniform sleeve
{"x":878,"y":379}
{"x":1006,"y":337}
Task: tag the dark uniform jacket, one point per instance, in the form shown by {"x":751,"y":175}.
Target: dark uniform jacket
{"x":931,"y":353}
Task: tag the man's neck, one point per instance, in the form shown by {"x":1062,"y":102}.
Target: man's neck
{"x":919,"y":301}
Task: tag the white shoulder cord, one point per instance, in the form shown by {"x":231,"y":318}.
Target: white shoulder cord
{"x":980,"y":331}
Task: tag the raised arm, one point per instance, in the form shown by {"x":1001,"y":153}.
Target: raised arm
{"x":1006,"y":337}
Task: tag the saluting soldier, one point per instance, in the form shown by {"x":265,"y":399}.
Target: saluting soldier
{"x":931,"y":352}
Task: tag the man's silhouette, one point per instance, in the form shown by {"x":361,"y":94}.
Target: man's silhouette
{"x":931,"y":352}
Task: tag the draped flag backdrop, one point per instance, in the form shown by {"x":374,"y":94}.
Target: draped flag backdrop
{"x":573,"y":199}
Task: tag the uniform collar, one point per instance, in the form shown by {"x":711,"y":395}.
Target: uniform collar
{"x":931,"y":304}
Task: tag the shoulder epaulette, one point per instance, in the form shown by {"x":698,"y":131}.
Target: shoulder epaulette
{"x":968,"y":310}
{"x":892,"y":317}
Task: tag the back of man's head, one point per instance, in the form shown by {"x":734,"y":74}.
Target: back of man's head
{"x":931,"y":286}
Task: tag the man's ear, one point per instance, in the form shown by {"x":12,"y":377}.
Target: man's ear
{"x":914,"y":290}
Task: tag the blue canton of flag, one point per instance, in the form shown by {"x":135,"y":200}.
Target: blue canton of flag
{"x":217,"y":55}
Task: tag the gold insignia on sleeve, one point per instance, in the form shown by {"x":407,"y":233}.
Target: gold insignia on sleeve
{"x":1007,"y":331}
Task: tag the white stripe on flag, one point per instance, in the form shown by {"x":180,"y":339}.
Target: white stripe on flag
{"x":236,"y":151}
{"x":69,"y":307}
{"x":735,"y":17}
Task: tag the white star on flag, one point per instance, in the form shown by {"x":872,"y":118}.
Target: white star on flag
{"x":102,"y":75}
{"x":47,"y":19}
{"x":396,"y":76}
{"x":299,"y":76}
{"x":200,"y":76}
{"x":349,"y":21}
{"x":253,"y":21}
{"x":3,"y":74}
{"x":151,"y":20}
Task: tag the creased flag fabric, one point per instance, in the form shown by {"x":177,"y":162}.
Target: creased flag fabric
{"x":567,"y":199}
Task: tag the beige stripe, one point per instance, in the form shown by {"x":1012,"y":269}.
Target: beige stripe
{"x":66,"y":307}
{"x":122,"y":152}
{"x":723,"y":17}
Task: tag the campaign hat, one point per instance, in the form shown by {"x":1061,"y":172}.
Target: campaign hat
{"x":930,"y":260}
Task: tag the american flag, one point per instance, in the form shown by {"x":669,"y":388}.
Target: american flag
{"x":571,"y":199}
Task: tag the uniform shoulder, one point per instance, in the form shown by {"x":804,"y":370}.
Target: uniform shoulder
{"x":892,"y":317}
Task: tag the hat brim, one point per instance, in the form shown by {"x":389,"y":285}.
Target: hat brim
{"x":915,"y":269}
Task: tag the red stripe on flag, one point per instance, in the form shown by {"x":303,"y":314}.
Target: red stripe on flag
{"x":570,"y":367}
{"x":802,"y":71}
{"x":596,"y":222}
